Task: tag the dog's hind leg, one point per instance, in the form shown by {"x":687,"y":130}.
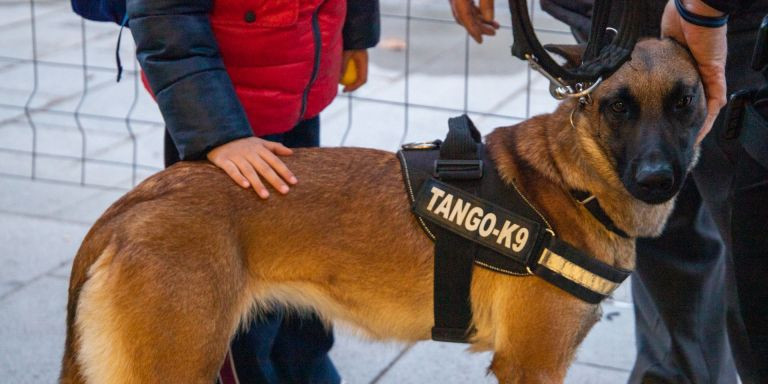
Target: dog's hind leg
{"x":144,"y":319}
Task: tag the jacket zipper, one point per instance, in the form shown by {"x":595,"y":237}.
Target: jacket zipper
{"x":315,"y":66}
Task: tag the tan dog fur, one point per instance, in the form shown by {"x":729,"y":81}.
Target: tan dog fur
{"x":168,"y":273}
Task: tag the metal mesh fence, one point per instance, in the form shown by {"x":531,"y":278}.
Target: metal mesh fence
{"x":64,"y":118}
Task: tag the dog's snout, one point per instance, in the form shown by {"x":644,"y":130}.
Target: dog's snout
{"x":655,"y":176}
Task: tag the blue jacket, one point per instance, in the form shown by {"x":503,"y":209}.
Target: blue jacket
{"x":179,"y":54}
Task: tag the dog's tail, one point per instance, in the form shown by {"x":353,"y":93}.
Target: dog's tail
{"x":142,"y":312}
{"x":93,"y":248}
{"x":91,"y":251}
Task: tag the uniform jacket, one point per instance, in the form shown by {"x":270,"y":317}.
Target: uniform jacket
{"x":222,"y":70}
{"x":745,"y":15}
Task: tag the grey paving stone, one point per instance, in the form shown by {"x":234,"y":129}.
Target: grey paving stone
{"x":61,"y":272}
{"x":109,"y":152}
{"x":58,"y":30}
{"x":32,"y":247}
{"x":89,"y":207}
{"x":374,"y":126}
{"x":445,"y":363}
{"x":359,"y":360}
{"x":611,"y":342}
{"x":12,"y":163}
{"x":28,"y":197}
{"x":32,"y":328}
{"x":624,"y":292}
{"x":587,"y":374}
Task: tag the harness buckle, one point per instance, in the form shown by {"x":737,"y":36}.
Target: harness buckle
{"x":422,"y":145}
{"x":458,"y":169}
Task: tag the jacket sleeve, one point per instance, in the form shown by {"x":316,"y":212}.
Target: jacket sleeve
{"x":728,"y":6}
{"x":177,"y":50}
{"x":362,"y":27}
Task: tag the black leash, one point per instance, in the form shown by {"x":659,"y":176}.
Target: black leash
{"x":600,"y":60}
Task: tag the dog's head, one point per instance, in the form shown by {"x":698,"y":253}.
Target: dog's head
{"x":645,"y":118}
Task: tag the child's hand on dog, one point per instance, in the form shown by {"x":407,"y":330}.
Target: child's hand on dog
{"x":246,"y":159}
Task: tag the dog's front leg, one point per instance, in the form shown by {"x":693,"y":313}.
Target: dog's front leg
{"x":537,"y":332}
{"x":510,"y":371}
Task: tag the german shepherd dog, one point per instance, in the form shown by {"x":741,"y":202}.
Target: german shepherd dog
{"x":168,"y":274}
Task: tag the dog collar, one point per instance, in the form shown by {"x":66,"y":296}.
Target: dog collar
{"x":589,"y":201}
{"x":475,"y":218}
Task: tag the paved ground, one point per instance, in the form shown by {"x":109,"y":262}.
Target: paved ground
{"x":42,"y":221}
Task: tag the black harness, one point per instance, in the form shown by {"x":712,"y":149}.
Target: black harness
{"x":474,"y":217}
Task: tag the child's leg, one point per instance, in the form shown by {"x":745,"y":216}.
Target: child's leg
{"x":300,"y":352}
{"x":249,"y":358}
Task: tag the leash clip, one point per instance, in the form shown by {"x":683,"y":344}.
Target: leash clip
{"x":559,"y":89}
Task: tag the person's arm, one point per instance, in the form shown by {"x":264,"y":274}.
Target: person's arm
{"x":180,"y":58}
{"x":709,"y":48}
{"x":477,"y":20}
{"x":362,"y":30}
{"x":177,"y":50}
{"x":728,"y":6}
{"x":362,"y":26}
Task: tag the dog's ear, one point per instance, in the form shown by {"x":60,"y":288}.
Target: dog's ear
{"x":572,"y":53}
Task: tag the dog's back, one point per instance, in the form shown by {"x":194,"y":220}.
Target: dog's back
{"x":180,"y":248}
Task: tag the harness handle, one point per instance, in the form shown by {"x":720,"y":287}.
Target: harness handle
{"x":599,"y":61}
{"x":459,"y":158}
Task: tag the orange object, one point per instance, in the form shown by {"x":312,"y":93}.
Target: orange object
{"x":350,"y":74}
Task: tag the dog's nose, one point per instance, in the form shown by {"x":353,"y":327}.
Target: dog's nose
{"x":656,"y":176}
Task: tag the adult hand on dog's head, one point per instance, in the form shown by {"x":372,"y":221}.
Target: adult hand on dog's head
{"x":244,"y":160}
{"x":477,"y":20}
{"x":709,"y":48}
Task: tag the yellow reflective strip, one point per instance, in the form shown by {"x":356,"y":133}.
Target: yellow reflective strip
{"x":575,"y":273}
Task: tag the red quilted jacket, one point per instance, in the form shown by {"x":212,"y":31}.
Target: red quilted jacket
{"x":283,"y":56}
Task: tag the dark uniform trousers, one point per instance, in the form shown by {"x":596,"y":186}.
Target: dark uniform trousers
{"x":701,"y":289}
{"x":692,"y":283}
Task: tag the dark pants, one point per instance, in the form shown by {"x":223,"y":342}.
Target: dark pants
{"x":690,"y":317}
{"x":749,"y":219}
{"x":689,"y":286}
{"x":701,"y":289}
{"x":279,"y":347}
{"x":678,"y":292}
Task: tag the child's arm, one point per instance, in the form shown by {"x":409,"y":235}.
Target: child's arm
{"x":178,"y":52}
{"x":362,"y":28}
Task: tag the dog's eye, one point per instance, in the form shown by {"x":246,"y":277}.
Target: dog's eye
{"x":684,"y":102}
{"x":619,"y":107}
